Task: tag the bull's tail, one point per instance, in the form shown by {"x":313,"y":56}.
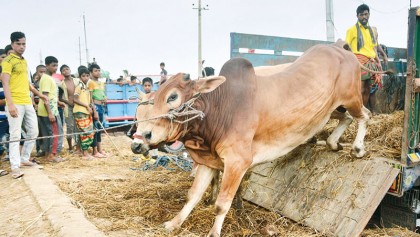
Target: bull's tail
{"x":388,"y":72}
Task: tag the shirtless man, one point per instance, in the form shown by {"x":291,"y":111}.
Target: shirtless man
{"x":68,"y":85}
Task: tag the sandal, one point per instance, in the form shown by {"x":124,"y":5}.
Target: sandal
{"x":28,"y":163}
{"x":3,"y":173}
{"x":35,"y":161}
{"x":56,"y":160}
{"x":16,"y":173}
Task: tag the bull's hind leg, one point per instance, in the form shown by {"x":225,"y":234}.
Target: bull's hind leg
{"x":201,"y":182}
{"x":362,"y":116}
{"x":345,"y":120}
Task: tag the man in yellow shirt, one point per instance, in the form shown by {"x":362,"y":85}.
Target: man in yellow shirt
{"x":363,"y":42}
{"x":19,"y":109}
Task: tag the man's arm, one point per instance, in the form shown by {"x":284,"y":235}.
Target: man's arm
{"x":349,"y":38}
{"x":77,"y":101}
{"x":5,"y":78}
{"x":51,"y":117}
{"x":381,"y":51}
{"x":39,"y":94}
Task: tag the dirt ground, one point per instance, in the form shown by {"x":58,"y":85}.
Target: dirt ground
{"x":20,"y":214}
{"x":122,"y":201}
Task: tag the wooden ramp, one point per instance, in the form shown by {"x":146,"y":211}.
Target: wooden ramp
{"x":327,"y":191}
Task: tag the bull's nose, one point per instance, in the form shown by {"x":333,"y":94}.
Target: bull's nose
{"x":147,"y":135}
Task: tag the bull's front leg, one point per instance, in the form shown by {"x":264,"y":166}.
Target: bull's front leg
{"x":202,"y":180}
{"x":236,"y":166}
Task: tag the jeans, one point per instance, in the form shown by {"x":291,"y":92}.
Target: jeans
{"x":61,"y":113}
{"x":27,"y":119}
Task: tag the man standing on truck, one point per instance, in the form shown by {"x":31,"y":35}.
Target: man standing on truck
{"x":362,"y":41}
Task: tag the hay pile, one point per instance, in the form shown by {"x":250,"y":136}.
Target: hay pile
{"x":383,"y":136}
{"x":123,"y":202}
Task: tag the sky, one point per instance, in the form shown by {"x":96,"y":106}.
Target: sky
{"x":136,"y":35}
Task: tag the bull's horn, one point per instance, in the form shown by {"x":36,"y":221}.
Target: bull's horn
{"x":186,"y":77}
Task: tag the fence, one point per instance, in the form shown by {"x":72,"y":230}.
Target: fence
{"x":121,"y":103}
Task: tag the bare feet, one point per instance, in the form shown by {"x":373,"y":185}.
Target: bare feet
{"x":99,"y":155}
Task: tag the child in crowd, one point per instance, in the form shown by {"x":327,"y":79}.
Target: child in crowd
{"x":4,"y":124}
{"x":40,"y":70}
{"x":68,"y":86}
{"x":147,"y":84}
{"x":163,"y":73}
{"x":48,"y":112}
{"x":97,"y":89}
{"x":82,"y":112}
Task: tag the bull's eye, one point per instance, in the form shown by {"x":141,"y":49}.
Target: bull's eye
{"x":172,"y":97}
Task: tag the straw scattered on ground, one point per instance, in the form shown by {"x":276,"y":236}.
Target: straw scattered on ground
{"x":122,"y":201}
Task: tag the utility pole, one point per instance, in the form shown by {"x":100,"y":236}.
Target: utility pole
{"x":199,"y":9}
{"x":40,"y":57}
{"x":80,"y":53}
{"x":330,"y":22}
{"x":87,"y":52}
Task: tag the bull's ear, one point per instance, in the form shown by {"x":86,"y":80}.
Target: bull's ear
{"x":140,"y":93}
{"x":206,"y":85}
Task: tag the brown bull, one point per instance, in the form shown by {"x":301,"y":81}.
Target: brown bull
{"x":250,"y":119}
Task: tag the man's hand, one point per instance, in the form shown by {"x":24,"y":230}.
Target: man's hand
{"x":89,"y":109}
{"x":95,"y":115}
{"x":44,"y":98}
{"x":386,"y":61}
{"x":51,"y":117}
{"x":61,"y":104}
{"x":12,"y":110}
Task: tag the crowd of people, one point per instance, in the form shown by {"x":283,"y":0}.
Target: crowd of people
{"x":40,"y":106}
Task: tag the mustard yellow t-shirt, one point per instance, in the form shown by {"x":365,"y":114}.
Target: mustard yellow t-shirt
{"x":47,"y":84}
{"x":84,"y":97}
{"x":17,"y":68}
{"x":368,"y":48}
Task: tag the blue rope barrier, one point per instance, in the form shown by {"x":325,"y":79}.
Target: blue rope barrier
{"x":164,"y":161}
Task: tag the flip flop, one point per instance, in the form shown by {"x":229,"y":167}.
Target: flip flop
{"x":28,"y":163}
{"x":35,"y":161}
{"x":3,"y":173}
{"x":17,"y":173}
{"x":56,"y":160}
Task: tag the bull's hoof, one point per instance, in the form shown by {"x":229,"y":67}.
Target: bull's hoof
{"x":170,"y":226}
{"x":210,"y":201}
{"x":338,"y":147}
{"x":358,"y":153}
{"x":335,"y":147}
{"x":212,"y":234}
